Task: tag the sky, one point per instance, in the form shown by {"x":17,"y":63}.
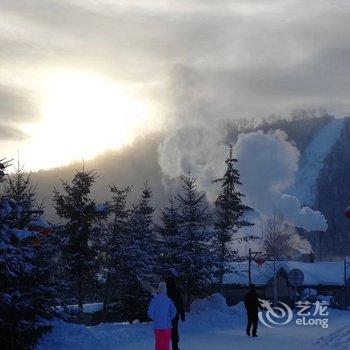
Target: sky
{"x":81,"y":76}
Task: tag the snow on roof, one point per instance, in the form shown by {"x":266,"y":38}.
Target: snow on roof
{"x":39,"y":223}
{"x":318,"y":273}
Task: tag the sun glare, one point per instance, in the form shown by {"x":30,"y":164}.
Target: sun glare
{"x":82,"y":116}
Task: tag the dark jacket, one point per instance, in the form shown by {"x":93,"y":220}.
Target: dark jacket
{"x":251,"y":302}
{"x":175,"y":296}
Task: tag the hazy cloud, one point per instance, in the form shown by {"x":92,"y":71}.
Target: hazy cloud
{"x":16,"y":105}
{"x":8,"y":133}
{"x":217,"y":59}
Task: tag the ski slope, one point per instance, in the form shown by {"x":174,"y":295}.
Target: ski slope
{"x":211,"y":325}
{"x":312,"y":160}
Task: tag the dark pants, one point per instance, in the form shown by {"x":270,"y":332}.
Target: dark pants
{"x":252,"y":321}
{"x":175,"y":332}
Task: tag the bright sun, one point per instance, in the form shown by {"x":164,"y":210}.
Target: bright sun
{"x":82,"y":115}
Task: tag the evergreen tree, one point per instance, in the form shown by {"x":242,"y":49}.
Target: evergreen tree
{"x":25,"y":290}
{"x":140,"y":249}
{"x":82,"y":216}
{"x":193,"y":239}
{"x":18,"y":186}
{"x":169,"y":229}
{"x":229,"y":213}
{"x":115,"y":245}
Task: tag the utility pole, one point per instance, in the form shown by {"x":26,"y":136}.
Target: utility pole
{"x":346,"y":265}
{"x":274,"y":283}
{"x":251,"y":257}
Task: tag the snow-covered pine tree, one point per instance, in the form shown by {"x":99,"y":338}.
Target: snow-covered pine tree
{"x":141,"y":250}
{"x":81,"y":215}
{"x":18,"y":186}
{"x":168,"y":229}
{"x":228,"y":215}
{"x":114,"y":247}
{"x":194,"y":251}
{"x":26,"y":292}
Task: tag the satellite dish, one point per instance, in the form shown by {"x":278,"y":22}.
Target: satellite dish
{"x":295,"y":277}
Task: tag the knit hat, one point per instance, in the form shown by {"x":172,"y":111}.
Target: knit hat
{"x":162,"y":288}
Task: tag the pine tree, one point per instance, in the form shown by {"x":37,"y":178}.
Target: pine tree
{"x":18,"y":186}
{"x":229,"y":213}
{"x":194,"y":252}
{"x":26,"y":292}
{"x":114,"y":246}
{"x":82,"y":216}
{"x":141,"y":251}
{"x":169,"y":229}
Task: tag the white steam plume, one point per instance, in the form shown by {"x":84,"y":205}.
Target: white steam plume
{"x":267,"y":164}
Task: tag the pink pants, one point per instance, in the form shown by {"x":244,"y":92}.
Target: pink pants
{"x":162,"y":338}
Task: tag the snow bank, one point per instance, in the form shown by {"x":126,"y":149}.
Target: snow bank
{"x":69,"y":336}
{"x":214,"y":312}
{"x":207,"y":314}
{"x":214,"y":302}
{"x":107,"y":336}
{"x":211,"y":324}
{"x":338,"y":340}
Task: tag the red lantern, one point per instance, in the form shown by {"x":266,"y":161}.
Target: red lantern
{"x":347,"y":213}
{"x":259,"y":260}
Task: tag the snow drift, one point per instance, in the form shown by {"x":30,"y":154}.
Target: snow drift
{"x":211,"y":324}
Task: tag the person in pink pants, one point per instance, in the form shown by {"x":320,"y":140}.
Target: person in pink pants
{"x":162,"y":310}
{"x":162,"y":337}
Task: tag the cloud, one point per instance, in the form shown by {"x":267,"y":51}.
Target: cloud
{"x":15,"y":105}
{"x":10,"y":133}
{"x":203,"y":59}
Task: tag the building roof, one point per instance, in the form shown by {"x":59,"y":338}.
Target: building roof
{"x":318,"y":273}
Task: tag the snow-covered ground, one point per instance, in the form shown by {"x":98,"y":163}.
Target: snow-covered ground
{"x":312,"y":161}
{"x":211,"y":325}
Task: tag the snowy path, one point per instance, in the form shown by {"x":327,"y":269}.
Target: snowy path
{"x":286,"y":337}
{"x":212,"y":326}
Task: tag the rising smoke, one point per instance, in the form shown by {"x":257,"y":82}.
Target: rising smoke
{"x":267,"y":164}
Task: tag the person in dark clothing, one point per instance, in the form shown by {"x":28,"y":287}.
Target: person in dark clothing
{"x":252,"y":305}
{"x":175,"y":296}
